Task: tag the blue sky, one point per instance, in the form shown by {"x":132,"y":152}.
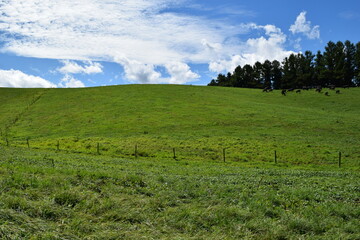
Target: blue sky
{"x":84,"y":43}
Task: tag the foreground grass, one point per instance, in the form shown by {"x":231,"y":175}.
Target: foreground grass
{"x":55,"y":195}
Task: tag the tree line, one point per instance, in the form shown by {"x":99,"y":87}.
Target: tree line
{"x":338,"y":65}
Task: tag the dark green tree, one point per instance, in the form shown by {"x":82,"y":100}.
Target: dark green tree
{"x":258,"y":81}
{"x":267,"y":74}
{"x":357,"y":64}
{"x":307,"y":69}
{"x":330,"y":62}
{"x":320,"y":70}
{"x":248,"y":76}
{"x":350,"y":63}
{"x":339,"y":69}
{"x":290,"y":70}
{"x":276,"y":74}
{"x":238,"y":77}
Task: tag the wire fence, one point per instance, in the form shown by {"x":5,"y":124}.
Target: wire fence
{"x":166,"y":151}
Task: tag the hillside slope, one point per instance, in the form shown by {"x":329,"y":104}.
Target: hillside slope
{"x":192,"y":118}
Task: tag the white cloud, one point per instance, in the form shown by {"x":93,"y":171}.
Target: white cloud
{"x":227,"y":65}
{"x":101,"y":30}
{"x":180,"y":73}
{"x":303,"y":26}
{"x":73,"y":67}
{"x":138,"y":72}
{"x":141,"y":35}
{"x":18,"y":79}
{"x":69,"y":81}
{"x":256,"y":49}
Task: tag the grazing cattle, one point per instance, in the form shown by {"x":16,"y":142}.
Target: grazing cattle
{"x":283,"y":92}
{"x":327,"y":94}
{"x":337,"y":91}
{"x":318,"y":89}
{"x":332,"y":87}
{"x":298,"y":91}
{"x":267,"y":89}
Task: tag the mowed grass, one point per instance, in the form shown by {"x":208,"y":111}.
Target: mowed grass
{"x":199,"y":122}
{"x":52,"y":195}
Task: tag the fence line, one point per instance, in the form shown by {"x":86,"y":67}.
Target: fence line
{"x":224,"y":154}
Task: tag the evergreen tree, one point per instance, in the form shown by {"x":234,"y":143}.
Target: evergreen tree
{"x":290,"y":72}
{"x":238,"y":77}
{"x":221,"y":80}
{"x":319,"y":70}
{"x":307,"y":69}
{"x":357,"y":64}
{"x":350,"y":63}
{"x":267,"y":73}
{"x":248,"y":76}
{"x":329,"y":60}
{"x":276,"y":74}
{"x":339,"y":69}
{"x":258,"y":81}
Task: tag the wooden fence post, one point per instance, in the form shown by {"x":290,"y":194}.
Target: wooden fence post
{"x":224,"y":154}
{"x":136,"y":151}
{"x":339,"y":159}
{"x":98,"y":148}
{"x":275,"y":157}
{"x":27,"y":142}
{"x":174,"y":153}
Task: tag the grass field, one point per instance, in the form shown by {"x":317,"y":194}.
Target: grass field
{"x":306,"y":128}
{"x":77,"y":193}
{"x":49,"y":195}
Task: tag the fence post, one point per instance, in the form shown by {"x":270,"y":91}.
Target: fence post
{"x":7,"y":142}
{"x":224,"y":154}
{"x":136,"y":151}
{"x":174,"y":153}
{"x":98,"y":148}
{"x":53,"y":162}
{"x":339,"y":159}
{"x":27,"y":142}
{"x":58,"y":145}
{"x":275,"y":157}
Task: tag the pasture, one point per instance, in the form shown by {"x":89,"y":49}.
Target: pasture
{"x":69,"y":168}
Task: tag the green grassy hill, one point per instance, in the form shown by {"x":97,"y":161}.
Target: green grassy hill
{"x":78,"y":193}
{"x":198,"y":121}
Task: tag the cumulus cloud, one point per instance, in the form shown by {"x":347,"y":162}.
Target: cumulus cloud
{"x":180,"y":73}
{"x":18,"y":79}
{"x":259,"y":49}
{"x":140,"y":35}
{"x":138,"y":72}
{"x":73,"y":67}
{"x":99,"y":30}
{"x":69,"y":81}
{"x":303,"y":26}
